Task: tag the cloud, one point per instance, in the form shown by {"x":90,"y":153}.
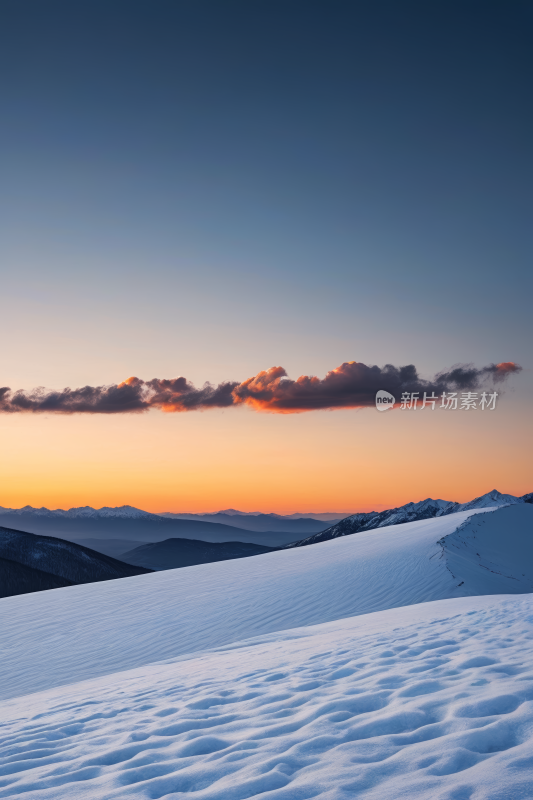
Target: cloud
{"x":352,"y":385}
{"x":116,"y":399}
{"x":180,"y":395}
{"x":133,"y":395}
{"x":466,"y":376}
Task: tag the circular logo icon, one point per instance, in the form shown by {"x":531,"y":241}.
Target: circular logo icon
{"x":384,"y":400}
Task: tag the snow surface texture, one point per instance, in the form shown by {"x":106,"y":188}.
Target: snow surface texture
{"x":493,"y":553}
{"x":432,"y":702}
{"x":86,"y":631}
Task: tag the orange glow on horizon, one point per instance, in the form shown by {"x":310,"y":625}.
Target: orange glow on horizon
{"x":345,"y":461}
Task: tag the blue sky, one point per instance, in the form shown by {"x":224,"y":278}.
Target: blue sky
{"x":209,"y":189}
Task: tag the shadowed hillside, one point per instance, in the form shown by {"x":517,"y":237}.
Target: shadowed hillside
{"x":16,"y":578}
{"x":31,"y":563}
{"x":174,"y":553}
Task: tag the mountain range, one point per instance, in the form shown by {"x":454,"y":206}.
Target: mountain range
{"x":175,"y":552}
{"x":129,"y":523}
{"x":117,"y":531}
{"x":262,"y":523}
{"x":135,"y":531}
{"x":82,"y":512}
{"x":250,"y":520}
{"x":410,"y":512}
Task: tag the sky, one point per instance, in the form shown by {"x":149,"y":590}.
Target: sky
{"x":210,"y":190}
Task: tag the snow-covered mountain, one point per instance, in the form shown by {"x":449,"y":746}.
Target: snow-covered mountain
{"x":249,"y":522}
{"x":144,"y":529}
{"x":203,"y":681}
{"x":83,"y":512}
{"x":259,"y":521}
{"x":492,"y":499}
{"x":411,"y":512}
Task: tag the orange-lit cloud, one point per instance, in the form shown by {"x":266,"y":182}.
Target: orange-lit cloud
{"x":504,"y":369}
{"x":351,"y":385}
{"x":354,"y":385}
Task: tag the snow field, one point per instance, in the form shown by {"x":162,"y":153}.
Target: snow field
{"x":67,"y":635}
{"x":427,"y":702}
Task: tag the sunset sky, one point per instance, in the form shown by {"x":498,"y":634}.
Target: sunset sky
{"x":212,"y":189}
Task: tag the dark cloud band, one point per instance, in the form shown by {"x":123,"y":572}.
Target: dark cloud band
{"x":352,"y":385}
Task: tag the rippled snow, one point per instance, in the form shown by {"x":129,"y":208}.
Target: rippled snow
{"x":432,"y":702}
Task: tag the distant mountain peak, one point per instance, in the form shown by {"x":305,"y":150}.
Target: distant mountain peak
{"x":128,"y":512}
{"x":410,"y":512}
{"x":490,"y":499}
{"x":233,"y":512}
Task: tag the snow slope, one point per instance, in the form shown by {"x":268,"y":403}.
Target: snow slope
{"x":85,"y":631}
{"x":493,"y":553}
{"x":432,"y":702}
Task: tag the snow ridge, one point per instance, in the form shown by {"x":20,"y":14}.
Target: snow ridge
{"x":410,"y":512}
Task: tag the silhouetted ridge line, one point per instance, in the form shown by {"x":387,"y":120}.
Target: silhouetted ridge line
{"x":46,"y":562}
{"x":174,"y":553}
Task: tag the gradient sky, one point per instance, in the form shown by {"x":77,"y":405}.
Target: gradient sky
{"x":210,"y":189}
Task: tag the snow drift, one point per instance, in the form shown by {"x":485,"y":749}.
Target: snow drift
{"x":432,"y":702}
